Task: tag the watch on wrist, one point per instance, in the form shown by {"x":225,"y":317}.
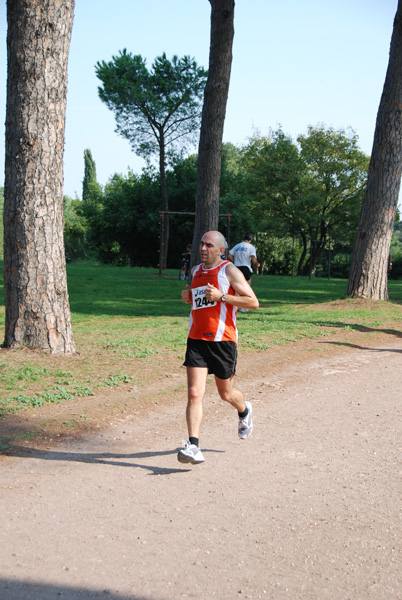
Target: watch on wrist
{"x":223,"y":298}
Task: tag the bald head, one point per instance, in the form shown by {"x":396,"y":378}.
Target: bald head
{"x":217,"y":237}
{"x":211,"y":247}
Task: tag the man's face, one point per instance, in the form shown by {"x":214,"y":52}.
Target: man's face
{"x":209,"y":250}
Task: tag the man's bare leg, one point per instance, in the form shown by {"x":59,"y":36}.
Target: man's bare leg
{"x":196,"y":383}
{"x":230,"y":394}
{"x":235,"y":397}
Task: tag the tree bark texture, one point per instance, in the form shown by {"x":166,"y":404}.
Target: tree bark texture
{"x":212,"y":122}
{"x":368,"y":273}
{"x":36,"y":296}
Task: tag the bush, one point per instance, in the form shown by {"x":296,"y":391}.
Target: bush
{"x":340,"y":265}
{"x":275,"y":254}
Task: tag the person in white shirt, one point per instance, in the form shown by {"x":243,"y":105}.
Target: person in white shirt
{"x":244,"y":257}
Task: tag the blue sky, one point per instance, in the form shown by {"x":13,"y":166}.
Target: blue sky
{"x":295,"y":63}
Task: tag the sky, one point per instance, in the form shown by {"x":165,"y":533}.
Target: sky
{"x":295,"y":63}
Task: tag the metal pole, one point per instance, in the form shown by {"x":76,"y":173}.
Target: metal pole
{"x":162,"y":214}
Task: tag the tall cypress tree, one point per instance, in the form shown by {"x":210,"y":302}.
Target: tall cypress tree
{"x":89,"y":174}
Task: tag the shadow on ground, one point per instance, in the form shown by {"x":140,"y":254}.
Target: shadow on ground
{"x":20,"y":590}
{"x":103,"y":458}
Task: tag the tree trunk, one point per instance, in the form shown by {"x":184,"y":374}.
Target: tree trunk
{"x":368,"y":272}
{"x":303,"y":254}
{"x":316,"y":249}
{"x":35,"y":284}
{"x":213,"y":118}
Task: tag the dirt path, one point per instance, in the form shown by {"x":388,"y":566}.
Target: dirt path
{"x":308,"y":508}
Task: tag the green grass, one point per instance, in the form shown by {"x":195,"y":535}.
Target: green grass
{"x":126,"y":321}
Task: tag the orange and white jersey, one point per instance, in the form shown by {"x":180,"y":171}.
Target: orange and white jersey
{"x":212,"y":321}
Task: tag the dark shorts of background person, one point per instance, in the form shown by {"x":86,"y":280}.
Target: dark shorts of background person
{"x":246,"y":272}
{"x":219,"y":358}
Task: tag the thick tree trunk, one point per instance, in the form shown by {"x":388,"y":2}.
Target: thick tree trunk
{"x":368,"y":273}
{"x":213,"y":119}
{"x":36,"y":297}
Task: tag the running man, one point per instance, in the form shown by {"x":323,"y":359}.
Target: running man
{"x":218,"y":288}
{"x":244,"y":257}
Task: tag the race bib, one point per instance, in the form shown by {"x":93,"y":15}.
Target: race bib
{"x":198,"y":298}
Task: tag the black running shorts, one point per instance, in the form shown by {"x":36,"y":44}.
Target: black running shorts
{"x":246,"y":272}
{"x":219,"y":358}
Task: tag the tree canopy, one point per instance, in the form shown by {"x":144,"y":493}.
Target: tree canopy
{"x":153,"y":108}
{"x":274,"y":186}
{"x":312,"y":189}
{"x":156,"y":110}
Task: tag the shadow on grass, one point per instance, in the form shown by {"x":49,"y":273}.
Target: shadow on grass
{"x":22,"y":590}
{"x":363,"y":329}
{"x":357,"y":347}
{"x":103,"y":458}
{"x":113,"y":291}
{"x":263,"y":318}
{"x":358,"y":327}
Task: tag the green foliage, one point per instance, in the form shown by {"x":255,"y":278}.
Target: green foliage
{"x":340,"y":265}
{"x":158,"y":111}
{"x":13,"y":404}
{"x":75,"y":230}
{"x":272,"y":186}
{"x":236,"y":198}
{"x":123,"y":220}
{"x":276,"y":255}
{"x":337,"y":174}
{"x":89,"y":175}
{"x":153,"y":108}
{"x":116,"y":380}
{"x":314,"y":189}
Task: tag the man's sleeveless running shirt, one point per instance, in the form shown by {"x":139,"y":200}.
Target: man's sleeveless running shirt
{"x":212,"y":321}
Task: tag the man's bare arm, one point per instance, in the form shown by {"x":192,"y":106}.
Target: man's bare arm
{"x":255,"y":262}
{"x":245,"y":298}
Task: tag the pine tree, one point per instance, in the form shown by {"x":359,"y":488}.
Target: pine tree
{"x":35,"y":282}
{"x":368,"y":273}
{"x":213,"y":119}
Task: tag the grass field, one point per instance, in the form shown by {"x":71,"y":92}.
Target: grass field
{"x":128,"y":320}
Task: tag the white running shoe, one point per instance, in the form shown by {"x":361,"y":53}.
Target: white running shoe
{"x":246,"y":424}
{"x":190,"y":454}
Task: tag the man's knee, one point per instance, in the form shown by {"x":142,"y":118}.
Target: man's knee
{"x":226,"y":393}
{"x":195,"y":395}
{"x":226,"y":397}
